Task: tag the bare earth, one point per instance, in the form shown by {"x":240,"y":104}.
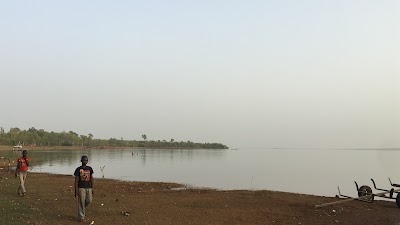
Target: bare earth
{"x":50,"y":200}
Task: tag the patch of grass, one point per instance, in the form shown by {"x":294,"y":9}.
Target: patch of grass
{"x":14,"y":209}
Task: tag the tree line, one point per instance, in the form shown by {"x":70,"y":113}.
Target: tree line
{"x":40,"y":137}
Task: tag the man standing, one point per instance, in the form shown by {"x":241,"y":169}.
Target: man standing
{"x":22,"y":171}
{"x":83,"y":186}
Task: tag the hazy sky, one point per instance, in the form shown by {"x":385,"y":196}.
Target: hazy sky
{"x":321,"y":74}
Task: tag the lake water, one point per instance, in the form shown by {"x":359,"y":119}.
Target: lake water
{"x":317,"y":172}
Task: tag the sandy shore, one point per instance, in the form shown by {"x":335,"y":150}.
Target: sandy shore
{"x":50,"y":200}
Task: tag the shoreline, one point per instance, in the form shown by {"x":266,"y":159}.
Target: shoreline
{"x":33,"y":148}
{"x":50,"y":200}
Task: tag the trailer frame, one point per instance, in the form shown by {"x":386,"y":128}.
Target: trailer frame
{"x":365,"y":194}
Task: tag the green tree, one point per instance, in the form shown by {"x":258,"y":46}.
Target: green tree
{"x":34,"y":136}
{"x":14,"y":135}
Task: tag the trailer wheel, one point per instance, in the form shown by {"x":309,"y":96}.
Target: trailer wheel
{"x":398,"y":200}
{"x":366,"y":190}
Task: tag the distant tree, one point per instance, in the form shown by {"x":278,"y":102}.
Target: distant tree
{"x":40,"y":137}
{"x":73,"y":133}
{"x":14,"y":135}
{"x":15,"y":130}
{"x":144,"y":137}
{"x":84,"y":139}
{"x":2,"y":136}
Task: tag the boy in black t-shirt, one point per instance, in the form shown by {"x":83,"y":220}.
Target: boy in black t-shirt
{"x":83,"y":186}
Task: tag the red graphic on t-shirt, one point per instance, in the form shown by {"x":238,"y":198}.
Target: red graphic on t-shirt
{"x":84,"y":174}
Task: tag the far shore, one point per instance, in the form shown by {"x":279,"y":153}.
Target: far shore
{"x":10,"y":148}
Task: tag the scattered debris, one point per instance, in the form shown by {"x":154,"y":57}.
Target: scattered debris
{"x":125,"y":213}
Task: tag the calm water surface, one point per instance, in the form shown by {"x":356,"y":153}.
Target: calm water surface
{"x":317,"y":172}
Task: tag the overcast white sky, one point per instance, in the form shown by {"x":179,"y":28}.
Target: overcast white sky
{"x":320,"y":74}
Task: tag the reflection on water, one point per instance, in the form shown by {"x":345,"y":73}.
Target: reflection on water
{"x":316,"y":172}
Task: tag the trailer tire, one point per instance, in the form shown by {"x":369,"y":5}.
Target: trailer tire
{"x":366,"y":190}
{"x":398,"y":200}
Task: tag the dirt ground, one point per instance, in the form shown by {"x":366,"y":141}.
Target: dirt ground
{"x":50,"y":200}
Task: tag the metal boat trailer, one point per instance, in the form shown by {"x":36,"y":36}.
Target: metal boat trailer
{"x":365,"y":194}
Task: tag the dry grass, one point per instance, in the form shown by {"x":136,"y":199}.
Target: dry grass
{"x":5,"y":147}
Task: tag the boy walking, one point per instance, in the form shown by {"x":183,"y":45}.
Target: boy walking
{"x":22,"y":171}
{"x":83,"y":186}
